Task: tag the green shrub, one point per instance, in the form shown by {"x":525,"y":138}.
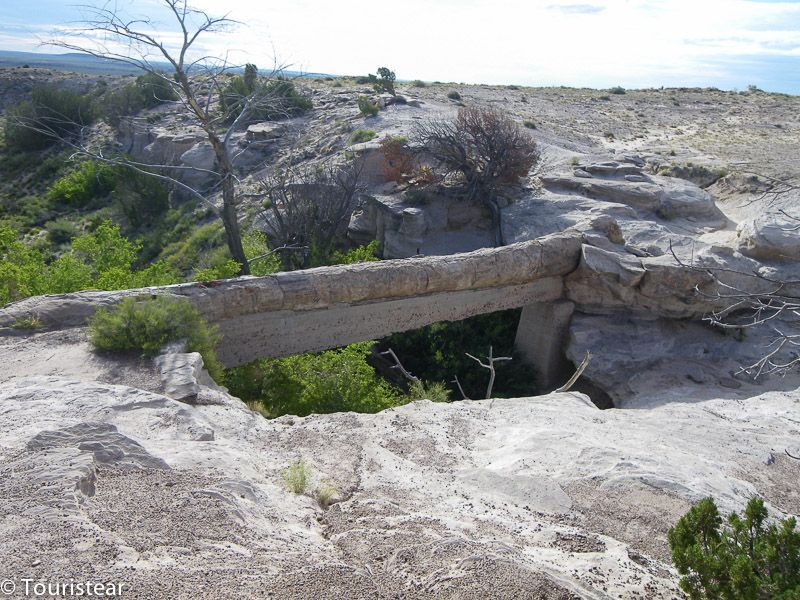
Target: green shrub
{"x":195,"y":242}
{"x":21,"y":268}
{"x":256,"y":249}
{"x":453,"y":95}
{"x":619,"y":90}
{"x":746,"y":559}
{"x":435,"y":391}
{"x":367,"y":107}
{"x":147,"y":91}
{"x":49,"y":115}
{"x":362,"y":135}
{"x":29,"y":323}
{"x":325,"y":494}
{"x":203,"y":253}
{"x":368,"y":253}
{"x":100,"y":259}
{"x":141,"y":198}
{"x":147,"y":324}
{"x":89,"y":181}
{"x":529,"y":124}
{"x":256,"y":246}
{"x":250,"y":77}
{"x":283,"y":100}
{"x":271,"y":99}
{"x":227,"y":270}
{"x":419,"y":83}
{"x":325,"y":382}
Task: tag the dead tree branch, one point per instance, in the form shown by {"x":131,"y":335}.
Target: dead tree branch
{"x":460,"y":389}
{"x":578,"y":372}
{"x":311,"y":206}
{"x":490,"y":366}
{"x":399,"y":366}
{"x":774,"y":306}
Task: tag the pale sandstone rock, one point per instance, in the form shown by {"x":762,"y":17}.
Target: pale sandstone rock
{"x":770,"y":236}
{"x":547,"y":494}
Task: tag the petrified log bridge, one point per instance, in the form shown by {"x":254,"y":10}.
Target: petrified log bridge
{"x":327,"y":307}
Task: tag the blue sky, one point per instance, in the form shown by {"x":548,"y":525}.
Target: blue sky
{"x":592,"y":43}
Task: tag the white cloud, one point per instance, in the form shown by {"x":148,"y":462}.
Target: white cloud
{"x":572,"y":42}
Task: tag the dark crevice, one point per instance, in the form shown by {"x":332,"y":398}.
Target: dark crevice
{"x":597,"y":395}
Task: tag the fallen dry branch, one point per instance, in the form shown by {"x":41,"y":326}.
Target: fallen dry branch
{"x":578,"y":372}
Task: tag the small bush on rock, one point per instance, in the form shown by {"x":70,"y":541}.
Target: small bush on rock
{"x":398,"y":158}
{"x":486,"y":146}
{"x":265,"y":99}
{"x":367,"y":107}
{"x":359,"y":136}
{"x":747,"y":559}
{"x":149,"y":90}
{"x":435,"y":391}
{"x":146,"y":325}
{"x":453,"y":95}
{"x":296,"y":476}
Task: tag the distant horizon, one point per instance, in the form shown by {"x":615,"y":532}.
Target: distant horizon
{"x":131,"y":70}
{"x":597,"y":44}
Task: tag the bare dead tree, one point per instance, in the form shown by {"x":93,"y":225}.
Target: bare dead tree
{"x":311,"y":206}
{"x":486,"y":147}
{"x":490,"y":366}
{"x":196,"y":81}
